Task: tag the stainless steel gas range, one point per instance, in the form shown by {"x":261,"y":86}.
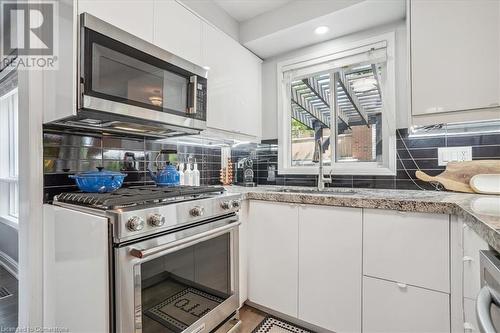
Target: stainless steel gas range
{"x":172,"y":257}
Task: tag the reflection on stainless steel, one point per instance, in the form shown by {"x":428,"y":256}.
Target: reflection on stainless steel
{"x":488,"y":299}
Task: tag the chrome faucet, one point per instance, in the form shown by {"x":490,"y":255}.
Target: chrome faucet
{"x":318,"y":158}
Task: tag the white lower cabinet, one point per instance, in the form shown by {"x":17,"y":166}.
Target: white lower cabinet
{"x":392,"y":307}
{"x":305,"y":262}
{"x":273,"y":256}
{"x":330,"y":256}
{"x":351,"y":270}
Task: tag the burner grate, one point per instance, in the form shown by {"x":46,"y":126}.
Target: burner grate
{"x":132,"y":196}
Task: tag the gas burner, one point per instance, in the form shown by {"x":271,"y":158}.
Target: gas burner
{"x":137,"y":196}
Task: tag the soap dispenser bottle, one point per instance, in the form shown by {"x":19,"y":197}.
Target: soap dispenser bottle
{"x":188,"y":175}
{"x":181,"y":174}
{"x":196,"y":175}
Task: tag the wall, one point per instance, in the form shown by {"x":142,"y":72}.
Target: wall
{"x":215,"y":15}
{"x":67,"y":154}
{"x":423,"y":149}
{"x":269,"y":75}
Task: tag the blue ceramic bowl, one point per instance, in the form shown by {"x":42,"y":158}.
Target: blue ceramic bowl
{"x":101,"y":181}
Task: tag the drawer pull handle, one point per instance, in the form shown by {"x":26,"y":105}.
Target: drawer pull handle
{"x":467,"y":258}
{"x":469,"y":327}
{"x":402,"y":285}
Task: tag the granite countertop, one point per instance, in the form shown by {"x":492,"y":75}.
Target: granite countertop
{"x":480,"y":212}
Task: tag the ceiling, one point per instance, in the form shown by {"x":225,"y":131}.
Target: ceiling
{"x":242,"y":10}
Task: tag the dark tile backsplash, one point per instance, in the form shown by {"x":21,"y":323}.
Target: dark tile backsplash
{"x":66,"y":154}
{"x":423,"y":150}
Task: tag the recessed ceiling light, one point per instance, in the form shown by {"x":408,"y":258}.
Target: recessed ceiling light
{"x":207,"y":68}
{"x":321,"y":30}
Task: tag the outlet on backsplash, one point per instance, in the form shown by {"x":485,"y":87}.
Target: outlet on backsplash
{"x":454,"y":154}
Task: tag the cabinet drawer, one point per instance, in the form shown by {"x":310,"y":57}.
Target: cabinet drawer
{"x":389,"y":307}
{"x":412,"y":248}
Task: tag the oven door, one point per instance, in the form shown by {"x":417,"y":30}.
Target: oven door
{"x":125,"y":76}
{"x":185,"y":281}
{"x":488,"y":299}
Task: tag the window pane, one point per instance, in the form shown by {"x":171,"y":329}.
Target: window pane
{"x":359,"y":113}
{"x":14,"y":199}
{"x":310,"y":119}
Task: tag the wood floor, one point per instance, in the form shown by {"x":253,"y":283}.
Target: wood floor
{"x":250,"y":318}
{"x":8,"y":305}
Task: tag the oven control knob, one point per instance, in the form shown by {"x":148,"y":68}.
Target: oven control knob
{"x":236,"y":204}
{"x":225,"y":205}
{"x":197,"y":211}
{"x":135,"y":223}
{"x":156,"y":220}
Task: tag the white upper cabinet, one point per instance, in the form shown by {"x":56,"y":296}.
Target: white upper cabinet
{"x":135,"y":17}
{"x":234,"y":78}
{"x":455,"y":58}
{"x":234,"y":84}
{"x":177,"y":30}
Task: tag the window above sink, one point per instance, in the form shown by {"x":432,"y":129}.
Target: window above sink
{"x":345,"y":98}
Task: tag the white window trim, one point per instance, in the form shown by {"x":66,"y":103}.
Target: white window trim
{"x":388,"y":166}
{"x":11,"y":178}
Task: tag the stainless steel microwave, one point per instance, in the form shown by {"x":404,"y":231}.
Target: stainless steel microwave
{"x":128,"y":85}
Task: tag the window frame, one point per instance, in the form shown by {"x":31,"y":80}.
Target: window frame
{"x":316,"y":59}
{"x":9,"y":211}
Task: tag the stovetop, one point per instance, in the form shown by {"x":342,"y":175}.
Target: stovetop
{"x":137,"y":196}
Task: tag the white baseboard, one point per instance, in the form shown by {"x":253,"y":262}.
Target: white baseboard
{"x":9,"y":264}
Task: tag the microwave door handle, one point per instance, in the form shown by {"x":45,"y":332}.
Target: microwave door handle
{"x":485,"y":298}
{"x":193,"y":94}
{"x":144,"y":253}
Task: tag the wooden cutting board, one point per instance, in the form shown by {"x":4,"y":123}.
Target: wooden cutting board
{"x":457,"y":175}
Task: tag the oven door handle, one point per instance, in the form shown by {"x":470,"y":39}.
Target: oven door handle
{"x":144,"y":253}
{"x":485,"y":298}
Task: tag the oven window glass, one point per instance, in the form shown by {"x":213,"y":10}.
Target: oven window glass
{"x":182,"y":287}
{"x":127,"y":79}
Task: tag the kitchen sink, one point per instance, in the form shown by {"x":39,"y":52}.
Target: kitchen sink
{"x":316,"y":191}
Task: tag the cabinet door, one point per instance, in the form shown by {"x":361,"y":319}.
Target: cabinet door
{"x":249,"y":92}
{"x":273,"y":256}
{"x":234,"y":84}
{"x":177,"y":30}
{"x":133,"y":16}
{"x":455,"y":54}
{"x":389,"y":307}
{"x":472,"y":245}
{"x":411,"y":248}
{"x":220,"y":56}
{"x":330,"y":267}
